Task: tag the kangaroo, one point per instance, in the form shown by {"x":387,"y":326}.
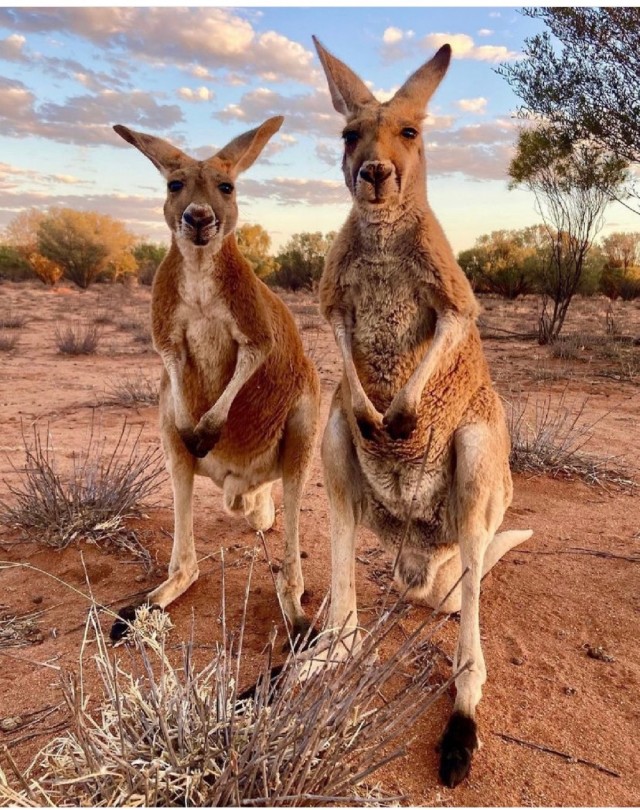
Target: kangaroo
{"x":239,"y":400}
{"x":415,"y":383}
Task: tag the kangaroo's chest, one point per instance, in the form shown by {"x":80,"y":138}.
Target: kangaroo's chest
{"x":393,"y":321}
{"x":209,"y":334}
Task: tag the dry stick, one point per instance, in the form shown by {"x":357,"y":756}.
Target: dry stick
{"x":63,"y":724}
{"x":28,"y":661}
{"x":576,"y":550}
{"x":547,"y":750}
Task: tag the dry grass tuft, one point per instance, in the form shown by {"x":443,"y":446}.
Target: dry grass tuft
{"x":8,"y":342}
{"x":167,"y":735}
{"x":131,"y":325}
{"x":12,"y":320}
{"x":553,"y":443}
{"x":18,"y":631}
{"x":132,"y":390}
{"x":92,"y":503}
{"x":78,"y":339}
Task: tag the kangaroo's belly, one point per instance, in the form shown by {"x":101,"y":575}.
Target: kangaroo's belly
{"x":404,"y":498}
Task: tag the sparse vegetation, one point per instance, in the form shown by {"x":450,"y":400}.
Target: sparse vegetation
{"x":550,"y":439}
{"x":132,"y":390}
{"x":90,"y":503}
{"x":12,"y":320}
{"x":176,"y":736}
{"x":8,"y":341}
{"x":78,"y":338}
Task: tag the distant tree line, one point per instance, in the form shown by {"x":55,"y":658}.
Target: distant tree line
{"x":85,"y":248}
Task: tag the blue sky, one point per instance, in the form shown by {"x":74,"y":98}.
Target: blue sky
{"x":200,"y":76}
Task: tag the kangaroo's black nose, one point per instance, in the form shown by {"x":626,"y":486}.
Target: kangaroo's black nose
{"x":375,"y":173}
{"x":197,"y":221}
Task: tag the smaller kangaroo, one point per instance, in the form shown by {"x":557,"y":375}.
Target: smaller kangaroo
{"x":239,"y":400}
{"x":415,"y":384}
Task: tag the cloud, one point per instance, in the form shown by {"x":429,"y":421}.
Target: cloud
{"x":464,"y":47}
{"x":479,"y":151}
{"x":473,"y":105}
{"x":83,"y":120}
{"x":295,"y":190}
{"x":197,"y":94}
{"x":398,"y":44}
{"x":219,"y":38}
{"x":478,"y":161}
{"x":485,"y":32}
{"x":329,"y":152}
{"x":304,"y":113}
{"x":12,"y":48}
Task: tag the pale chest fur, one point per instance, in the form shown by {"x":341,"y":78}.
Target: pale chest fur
{"x":393,"y":322}
{"x":207,"y":328}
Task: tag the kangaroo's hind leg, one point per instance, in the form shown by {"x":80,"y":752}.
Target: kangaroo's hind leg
{"x":183,"y":566}
{"x":482,"y":490}
{"x":296,"y":455}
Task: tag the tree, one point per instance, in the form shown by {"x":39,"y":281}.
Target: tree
{"x":573,"y":183}
{"x":301,"y":261}
{"x":148,"y":257}
{"x":622,"y":250}
{"x":21,"y":234}
{"x":86,"y":245}
{"x":254,"y":243}
{"x":589,"y":88}
{"x":505,"y":262}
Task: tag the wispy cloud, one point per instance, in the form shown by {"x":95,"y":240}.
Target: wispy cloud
{"x":310,"y":113}
{"x":85,"y":119}
{"x":217,"y":37}
{"x":398,"y":44}
{"x":196,"y":94}
{"x":472,"y":105}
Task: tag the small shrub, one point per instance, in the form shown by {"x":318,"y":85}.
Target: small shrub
{"x":132,"y":390}
{"x":176,"y":736}
{"x":131,"y":325}
{"x":12,"y":320}
{"x":553,"y":444}
{"x":8,"y":342}
{"x":92,"y":502}
{"x":13,"y":265}
{"x":78,"y":339}
{"x":143,"y":338}
{"x":569,"y":347}
{"x":104,"y":318}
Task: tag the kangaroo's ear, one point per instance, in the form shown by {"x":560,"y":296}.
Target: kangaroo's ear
{"x":242,"y":151}
{"x":165,"y":157}
{"x":422,"y":84}
{"x":348,"y":91}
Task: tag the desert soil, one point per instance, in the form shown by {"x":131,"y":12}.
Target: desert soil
{"x":542,"y":606}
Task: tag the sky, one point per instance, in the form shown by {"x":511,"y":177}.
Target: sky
{"x":199,"y":77}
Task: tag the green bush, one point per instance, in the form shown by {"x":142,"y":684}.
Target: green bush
{"x":13,"y":265}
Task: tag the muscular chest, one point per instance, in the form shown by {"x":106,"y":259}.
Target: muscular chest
{"x":390,"y":304}
{"x":207,"y":328}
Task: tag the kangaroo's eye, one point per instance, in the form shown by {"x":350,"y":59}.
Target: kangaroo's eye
{"x":225,"y":188}
{"x":175,"y":185}
{"x":350,"y":137}
{"x":410,"y":133}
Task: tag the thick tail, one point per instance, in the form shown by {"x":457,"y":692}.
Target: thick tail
{"x":501,"y":543}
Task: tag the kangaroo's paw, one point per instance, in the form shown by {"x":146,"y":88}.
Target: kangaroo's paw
{"x":126,"y":615}
{"x":457,"y":746}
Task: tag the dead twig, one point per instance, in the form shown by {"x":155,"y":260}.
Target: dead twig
{"x":548,"y":750}
{"x":594,"y":552}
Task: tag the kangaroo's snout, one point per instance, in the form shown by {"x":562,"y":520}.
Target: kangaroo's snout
{"x":198,"y":223}
{"x":375,"y":172}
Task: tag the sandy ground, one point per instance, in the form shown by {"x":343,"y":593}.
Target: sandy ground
{"x":541,"y":607}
